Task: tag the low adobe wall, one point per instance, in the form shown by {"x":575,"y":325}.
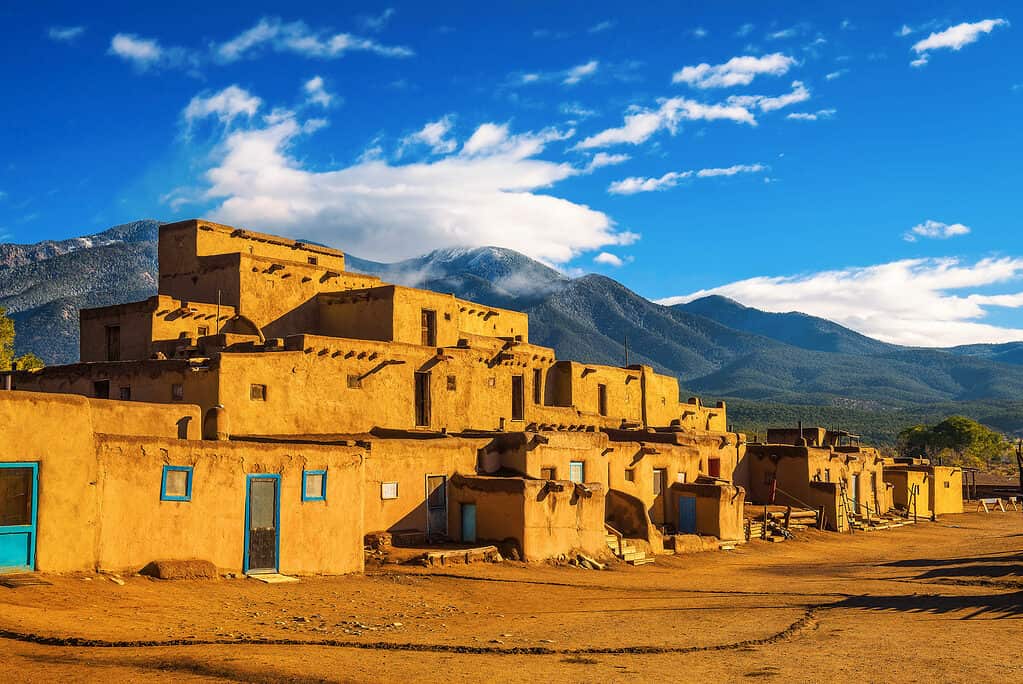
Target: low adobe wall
{"x":138,"y":527}
{"x":719,"y":508}
{"x":546,"y":521}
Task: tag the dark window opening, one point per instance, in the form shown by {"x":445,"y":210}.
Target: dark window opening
{"x":630,"y":475}
{"x":16,"y":496}
{"x":518,"y":400}
{"x":429,"y":328}
{"x":354,"y":382}
{"x":177,"y":391}
{"x":312,"y":261}
{"x":204,"y":330}
{"x":548,"y":474}
{"x":422,"y":399}
{"x":714,"y":467}
{"x":113,"y":333}
{"x":660,"y":481}
{"x":452,"y":383}
{"x":257,"y":392}
{"x":537,"y":386}
{"x":125,"y":393}
{"x":602,"y":399}
{"x":101,"y":389}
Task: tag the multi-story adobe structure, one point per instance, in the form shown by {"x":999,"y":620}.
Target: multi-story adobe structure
{"x":268,"y":408}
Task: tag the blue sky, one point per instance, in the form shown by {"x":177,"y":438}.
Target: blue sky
{"x":858,"y":161}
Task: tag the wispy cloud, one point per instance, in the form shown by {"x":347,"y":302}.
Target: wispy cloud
{"x":601,"y":27}
{"x":930,"y":309}
{"x":641,"y":123}
{"x":734,"y":72}
{"x":799,"y":93}
{"x":812,"y":116}
{"x":954,"y":38}
{"x":298,"y":38}
{"x":571,"y":76}
{"x":144,"y":53}
{"x":435,"y":135}
{"x":935,"y":230}
{"x":831,"y":76}
{"x":578,"y":73}
{"x":637,"y":184}
{"x":227,"y":105}
{"x":744,"y":30}
{"x":699,"y":32}
{"x":65,"y":34}
{"x":316,"y":93}
{"x":376,"y":22}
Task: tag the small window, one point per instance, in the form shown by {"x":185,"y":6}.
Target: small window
{"x":452,"y":383}
{"x":537,"y":386}
{"x":314,"y":485}
{"x":827,"y":474}
{"x":257,"y":392}
{"x":492,"y":381}
{"x":602,"y":399}
{"x":203,"y":331}
{"x":517,"y":398}
{"x":548,"y":474}
{"x":660,"y":479}
{"x":313,"y":261}
{"x":681,"y":477}
{"x":124,"y":393}
{"x":946,"y":485}
{"x":422,"y":399}
{"x":388,"y":490}
{"x":101,"y":389}
{"x":630,"y":475}
{"x":177,"y":483}
{"x":429,"y":319}
{"x":177,"y":392}
{"x":354,"y":382}
{"x":577,"y":472}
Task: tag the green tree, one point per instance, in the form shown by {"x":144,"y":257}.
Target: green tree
{"x":957,"y":440}
{"x":25,"y":361}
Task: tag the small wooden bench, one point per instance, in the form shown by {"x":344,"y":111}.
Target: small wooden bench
{"x":984,"y":503}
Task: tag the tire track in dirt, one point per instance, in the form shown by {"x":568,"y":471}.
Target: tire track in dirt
{"x":806,"y":623}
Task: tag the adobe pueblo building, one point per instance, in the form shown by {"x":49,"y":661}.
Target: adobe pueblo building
{"x":268,"y":410}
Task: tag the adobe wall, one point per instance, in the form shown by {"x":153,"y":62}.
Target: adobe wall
{"x":170,"y":421}
{"x":489,"y":321}
{"x":719,"y":508}
{"x":407,"y":462}
{"x":946,"y":491}
{"x":902,"y":481}
{"x":531,"y":452}
{"x":315,"y":536}
{"x":136,"y":331}
{"x":56,"y":432}
{"x":546,"y":521}
{"x":365,"y":314}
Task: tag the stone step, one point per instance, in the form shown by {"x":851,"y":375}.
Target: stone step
{"x":640,"y":561}
{"x":632,"y":555}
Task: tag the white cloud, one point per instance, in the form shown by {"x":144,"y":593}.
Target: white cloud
{"x":636,"y":184}
{"x":602,"y":159}
{"x":783,"y":34}
{"x":954,"y":38}
{"x":377,"y":22}
{"x":228,"y":104}
{"x":799,"y":93}
{"x":745,"y":30}
{"x":143,"y":52}
{"x":700,"y":32}
{"x":434,"y":135}
{"x":65,"y":34}
{"x":296,"y":37}
{"x":609,"y":259}
{"x":601,"y":27}
{"x":904,"y":31}
{"x":484,"y":194}
{"x":316,"y":93}
{"x":936,"y":230}
{"x":914,"y":302}
{"x":836,"y":74}
{"x":846,"y":25}
{"x":642,"y":123}
{"x":576,"y":109}
{"x":736,"y":71}
{"x":812,"y":116}
{"x":578,"y":73}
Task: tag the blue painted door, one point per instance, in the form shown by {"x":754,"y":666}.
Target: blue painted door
{"x":687,"y":515}
{"x":262,"y":524}
{"x":18,"y":501}
{"x":469,"y":523}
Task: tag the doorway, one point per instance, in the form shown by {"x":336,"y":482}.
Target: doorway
{"x":856,"y":494}
{"x":18,"y":515}
{"x":469,"y":523}
{"x":436,"y":505}
{"x":687,"y":515}
{"x":422,"y":397}
{"x":262,"y":524}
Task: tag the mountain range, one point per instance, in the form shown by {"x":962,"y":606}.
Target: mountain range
{"x":784,"y":364}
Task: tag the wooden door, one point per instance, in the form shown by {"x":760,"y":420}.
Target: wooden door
{"x":262,"y":517}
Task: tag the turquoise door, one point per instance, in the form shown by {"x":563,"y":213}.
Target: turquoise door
{"x":469,"y":523}
{"x":18,"y":499}
{"x":687,"y":515}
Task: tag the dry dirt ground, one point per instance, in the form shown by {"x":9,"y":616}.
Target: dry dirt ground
{"x":932,"y":602}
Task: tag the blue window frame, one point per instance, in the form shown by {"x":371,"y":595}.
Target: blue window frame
{"x":314,"y":485}
{"x":176,"y":484}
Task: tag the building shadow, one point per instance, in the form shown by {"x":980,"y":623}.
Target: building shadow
{"x":990,"y":606}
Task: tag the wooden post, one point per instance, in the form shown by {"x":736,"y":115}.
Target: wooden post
{"x":788,"y":513}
